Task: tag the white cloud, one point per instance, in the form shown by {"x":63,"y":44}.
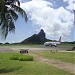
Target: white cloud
{"x":71,"y":4}
{"x":55,"y":22}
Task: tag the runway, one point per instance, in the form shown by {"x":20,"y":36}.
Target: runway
{"x":34,"y":48}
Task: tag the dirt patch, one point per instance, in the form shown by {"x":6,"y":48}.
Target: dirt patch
{"x":60,"y":65}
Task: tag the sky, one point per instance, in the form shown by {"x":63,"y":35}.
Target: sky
{"x":55,"y":17}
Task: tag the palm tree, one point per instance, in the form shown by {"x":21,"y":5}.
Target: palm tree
{"x":9,"y":10}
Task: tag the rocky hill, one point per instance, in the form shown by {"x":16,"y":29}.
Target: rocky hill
{"x":39,"y":38}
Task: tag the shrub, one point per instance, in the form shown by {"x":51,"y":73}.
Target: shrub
{"x":26,"y":58}
{"x":21,"y":57}
{"x":14,"y":57}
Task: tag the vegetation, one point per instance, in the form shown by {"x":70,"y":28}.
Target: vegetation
{"x":62,"y":56}
{"x":69,"y":42}
{"x":9,"y":10}
{"x":15,"y":67}
{"x":21,"y":57}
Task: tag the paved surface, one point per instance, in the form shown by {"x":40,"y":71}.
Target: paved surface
{"x":34,"y":48}
{"x":5,"y":49}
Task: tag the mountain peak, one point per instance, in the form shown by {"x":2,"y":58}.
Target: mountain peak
{"x":39,"y":38}
{"x":41,"y":34}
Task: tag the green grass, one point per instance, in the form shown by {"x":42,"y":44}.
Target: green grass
{"x":16,"y":67}
{"x":21,"y":57}
{"x":63,"y":56}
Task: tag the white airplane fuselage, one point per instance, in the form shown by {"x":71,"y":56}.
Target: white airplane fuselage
{"x":54,"y":43}
{"x":51,"y":43}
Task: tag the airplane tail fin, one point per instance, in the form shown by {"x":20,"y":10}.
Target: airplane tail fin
{"x":60,"y":39}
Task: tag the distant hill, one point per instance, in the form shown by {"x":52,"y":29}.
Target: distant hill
{"x":39,"y":38}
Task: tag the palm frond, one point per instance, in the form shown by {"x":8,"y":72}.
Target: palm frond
{"x":4,"y":29}
{"x":1,"y":22}
{"x":14,"y":15}
{"x":2,"y":18}
{"x":18,"y":2}
{"x":20,"y":11}
{"x":7,"y":26}
{"x":11,"y":26}
{"x":8,"y":14}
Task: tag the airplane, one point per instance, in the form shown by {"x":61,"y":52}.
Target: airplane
{"x":53,"y":43}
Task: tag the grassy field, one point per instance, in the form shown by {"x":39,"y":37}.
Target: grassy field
{"x":16,"y":67}
{"x":63,"y":56}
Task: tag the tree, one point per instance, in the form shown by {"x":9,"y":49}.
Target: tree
{"x":9,"y":10}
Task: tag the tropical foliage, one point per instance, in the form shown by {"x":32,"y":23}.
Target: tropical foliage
{"x":9,"y":11}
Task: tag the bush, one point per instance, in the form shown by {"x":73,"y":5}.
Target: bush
{"x":26,"y":58}
{"x":14,"y":57}
{"x":21,"y":57}
{"x":72,"y":49}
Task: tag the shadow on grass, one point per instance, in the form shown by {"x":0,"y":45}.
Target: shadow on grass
{"x":6,"y":70}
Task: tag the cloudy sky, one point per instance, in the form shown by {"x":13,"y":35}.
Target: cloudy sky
{"x":56,"y":17}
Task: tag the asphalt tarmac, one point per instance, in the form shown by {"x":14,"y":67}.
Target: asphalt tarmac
{"x":35,"y":48}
